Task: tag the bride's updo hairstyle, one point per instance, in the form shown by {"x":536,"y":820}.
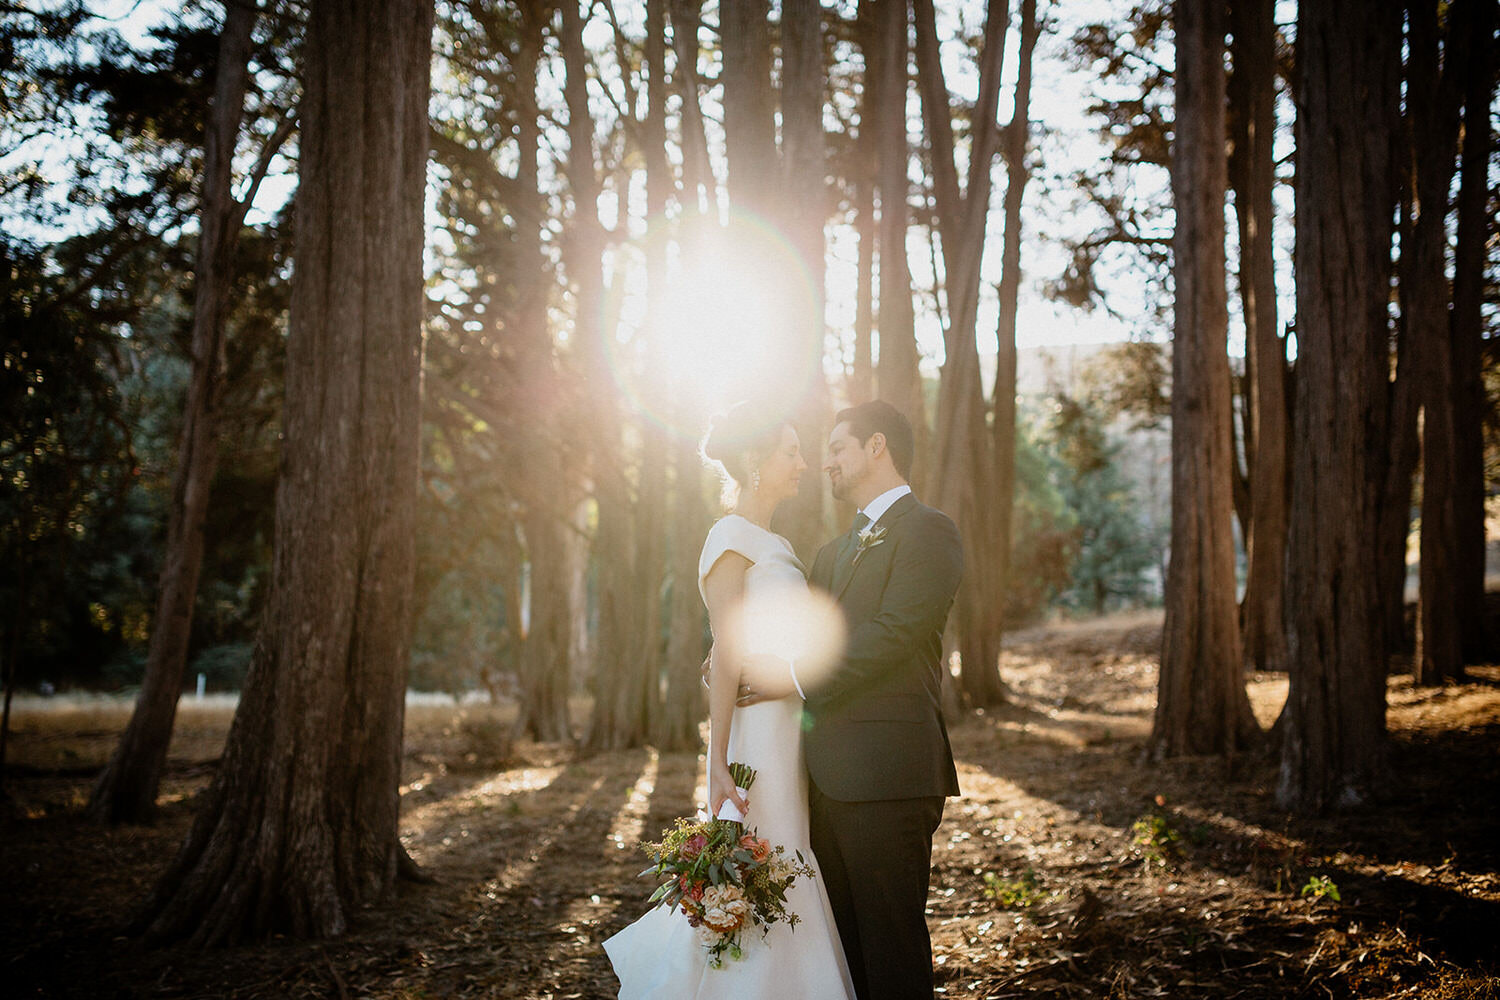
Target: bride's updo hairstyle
{"x":737,"y":441}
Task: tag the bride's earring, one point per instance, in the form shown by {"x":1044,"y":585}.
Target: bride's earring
{"x":755,"y":481}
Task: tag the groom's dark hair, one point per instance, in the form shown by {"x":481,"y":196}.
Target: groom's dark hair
{"x":878,"y":416}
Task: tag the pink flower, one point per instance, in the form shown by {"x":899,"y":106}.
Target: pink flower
{"x":693,"y":846}
{"x":759,"y":848}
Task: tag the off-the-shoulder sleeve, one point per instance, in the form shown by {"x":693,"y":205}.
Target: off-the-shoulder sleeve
{"x":730,"y":534}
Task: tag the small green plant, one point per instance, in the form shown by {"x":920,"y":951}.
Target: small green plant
{"x":1014,"y":893}
{"x":1158,"y":840}
{"x":1321,"y":887}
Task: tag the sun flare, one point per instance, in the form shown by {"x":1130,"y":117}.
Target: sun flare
{"x":738,"y":320}
{"x":793,"y":624}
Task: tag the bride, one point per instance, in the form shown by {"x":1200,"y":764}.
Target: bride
{"x":744,"y":562}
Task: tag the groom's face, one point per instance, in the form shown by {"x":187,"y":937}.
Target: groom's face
{"x":848,"y":463}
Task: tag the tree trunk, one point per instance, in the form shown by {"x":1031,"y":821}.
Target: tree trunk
{"x":651,"y":503}
{"x":697,"y":179}
{"x":1333,"y":750}
{"x":805,"y":211}
{"x":963,"y":470}
{"x":299,"y":827}
{"x":1202,"y":706}
{"x":749,"y":105}
{"x":545,"y":667}
{"x":1474,"y":227}
{"x":862,"y":377}
{"x":683,"y":706}
{"x":545,"y":661}
{"x":1252,"y":100}
{"x":897,"y":379}
{"x":126,"y":790}
{"x":1394,"y":519}
{"x":1003,"y":404}
{"x":1433,"y":97}
{"x":618,"y":718}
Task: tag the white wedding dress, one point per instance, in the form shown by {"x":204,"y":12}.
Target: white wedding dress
{"x":659,"y":956}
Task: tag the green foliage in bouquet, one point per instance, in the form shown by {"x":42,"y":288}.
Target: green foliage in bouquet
{"x":722,"y":878}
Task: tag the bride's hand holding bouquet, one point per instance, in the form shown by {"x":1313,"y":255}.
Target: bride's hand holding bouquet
{"x":722,"y":788}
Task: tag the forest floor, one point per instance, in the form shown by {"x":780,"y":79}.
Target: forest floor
{"x":1071,"y":866}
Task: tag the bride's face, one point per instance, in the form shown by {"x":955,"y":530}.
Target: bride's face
{"x":781,"y":471}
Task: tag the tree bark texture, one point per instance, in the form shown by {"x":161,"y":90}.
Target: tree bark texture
{"x":545,"y":661}
{"x":804,"y":183}
{"x":1334,"y":750}
{"x":749,"y":105}
{"x":1202,"y":706}
{"x":684,"y":705}
{"x":963,"y":465}
{"x":1403,"y":452}
{"x":897,"y":379}
{"x":299,"y":827}
{"x":126,"y":790}
{"x":1252,"y":103}
{"x":1015,"y":147}
{"x":697,"y":179}
{"x":620,"y":716}
{"x":1433,"y":97}
{"x":1475,"y":225}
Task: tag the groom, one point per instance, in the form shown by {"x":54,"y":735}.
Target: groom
{"x":877,"y":749}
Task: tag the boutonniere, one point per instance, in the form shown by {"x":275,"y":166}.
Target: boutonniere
{"x":868,"y":538}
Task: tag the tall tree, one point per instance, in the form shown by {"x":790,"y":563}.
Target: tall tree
{"x":1475,"y":226}
{"x":749,"y":105}
{"x":683,"y":708}
{"x":1015,"y":148}
{"x":1348,"y":58}
{"x":963,"y":469}
{"x":1201,"y":706}
{"x":546,"y":667}
{"x":1252,"y":177}
{"x":126,"y":790}
{"x":656,"y":459}
{"x":862,"y":178}
{"x":299,"y":827}
{"x":628,"y":541}
{"x":803,"y":80}
{"x":1434,"y":94}
{"x":896,"y":377}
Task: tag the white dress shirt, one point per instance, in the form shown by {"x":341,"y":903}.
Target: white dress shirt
{"x":877,"y":507}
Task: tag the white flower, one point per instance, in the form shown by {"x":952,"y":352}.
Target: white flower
{"x":725,"y":907}
{"x":707,"y":936}
{"x":869,"y":537}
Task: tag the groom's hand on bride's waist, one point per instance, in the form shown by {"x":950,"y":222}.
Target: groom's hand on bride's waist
{"x":767,"y":678}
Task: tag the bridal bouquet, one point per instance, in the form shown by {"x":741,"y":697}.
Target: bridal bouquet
{"x":724,"y":879}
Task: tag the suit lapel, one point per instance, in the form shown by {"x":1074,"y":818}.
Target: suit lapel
{"x":888,"y":521}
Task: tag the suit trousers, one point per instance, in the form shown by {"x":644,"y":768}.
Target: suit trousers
{"x":875,"y":858}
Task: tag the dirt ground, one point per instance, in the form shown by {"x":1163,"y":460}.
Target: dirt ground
{"x":1071,"y":867}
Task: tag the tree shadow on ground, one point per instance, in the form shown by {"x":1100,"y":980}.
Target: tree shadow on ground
{"x":1419,"y":866}
{"x":529,"y":879}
